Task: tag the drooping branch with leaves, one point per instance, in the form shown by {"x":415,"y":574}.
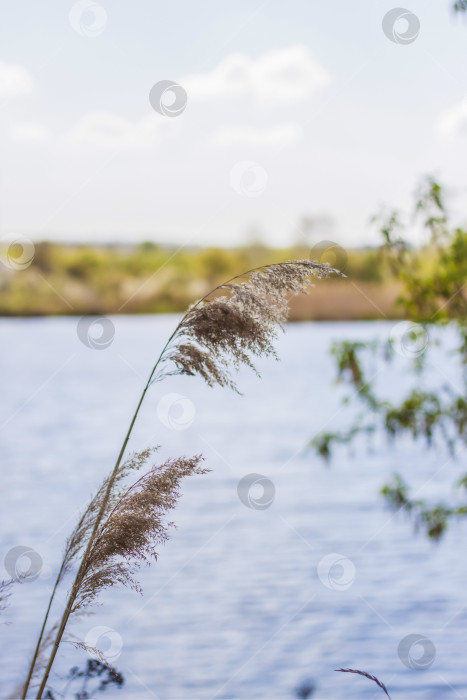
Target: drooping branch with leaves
{"x":433,"y":279}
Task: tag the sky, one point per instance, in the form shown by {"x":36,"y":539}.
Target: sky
{"x":286,"y":111}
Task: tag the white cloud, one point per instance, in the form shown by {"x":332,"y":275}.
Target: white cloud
{"x":14,"y":80}
{"x":111,"y":131}
{"x":281,"y":135}
{"x":28,"y":132}
{"x":284,"y":75}
{"x":453,"y":120}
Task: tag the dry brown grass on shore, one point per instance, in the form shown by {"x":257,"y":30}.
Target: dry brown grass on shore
{"x":346,"y":300}
{"x":331,"y":300}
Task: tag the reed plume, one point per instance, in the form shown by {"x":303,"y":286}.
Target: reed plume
{"x":238,"y":322}
{"x":230,"y":327}
{"x":75,"y":543}
{"x":5,"y":593}
{"x":379,"y":683}
{"x":134,"y":528}
{"x":99,"y":503}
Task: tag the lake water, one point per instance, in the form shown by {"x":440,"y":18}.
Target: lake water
{"x":241,"y":603}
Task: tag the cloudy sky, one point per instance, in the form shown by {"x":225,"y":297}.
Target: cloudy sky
{"x":286,"y":110}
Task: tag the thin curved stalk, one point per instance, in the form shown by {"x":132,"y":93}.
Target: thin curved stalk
{"x":46,"y":617}
{"x":100,"y":515}
{"x":77,"y":582}
{"x":79,"y":576}
{"x":41,"y":635}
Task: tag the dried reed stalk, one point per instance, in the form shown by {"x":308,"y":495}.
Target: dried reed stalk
{"x":366,"y":675}
{"x":5,"y":593}
{"x":76,"y":542}
{"x":235,"y":323}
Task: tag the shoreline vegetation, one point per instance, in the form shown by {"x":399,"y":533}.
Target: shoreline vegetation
{"x":81,"y":279}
